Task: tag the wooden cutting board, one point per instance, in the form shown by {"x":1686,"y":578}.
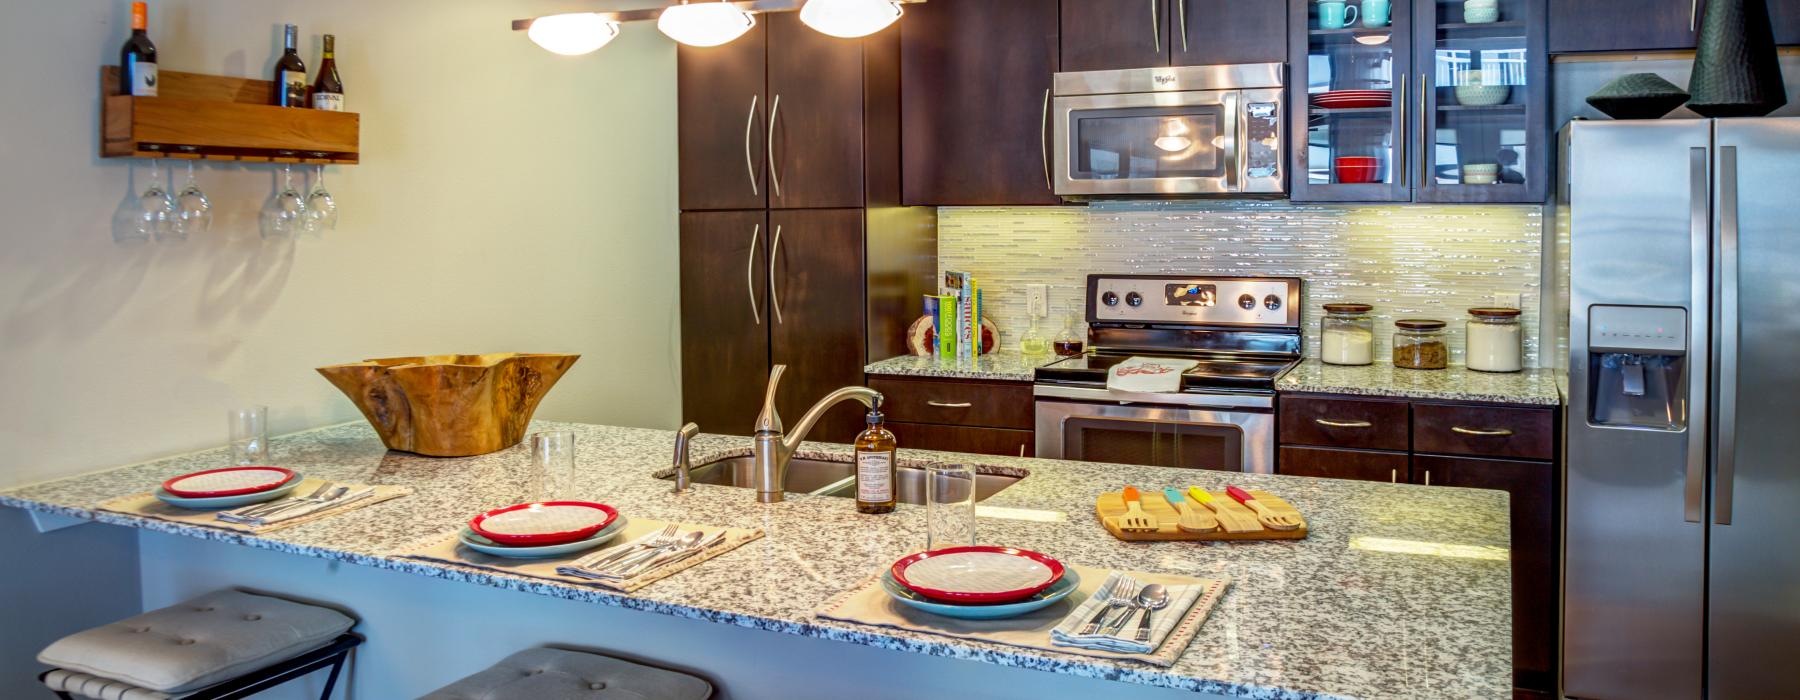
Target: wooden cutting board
{"x":1111,"y":505}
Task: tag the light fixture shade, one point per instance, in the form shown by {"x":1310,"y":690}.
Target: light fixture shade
{"x":849,"y":19}
{"x":705,"y":23}
{"x":572,"y":34}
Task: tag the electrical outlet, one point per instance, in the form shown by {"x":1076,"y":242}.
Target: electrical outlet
{"x":1507,"y":300}
{"x":1037,"y":300}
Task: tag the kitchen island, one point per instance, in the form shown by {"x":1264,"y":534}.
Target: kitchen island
{"x":1399,"y":592}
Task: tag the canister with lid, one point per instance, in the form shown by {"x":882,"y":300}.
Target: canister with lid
{"x":1494,"y":340}
{"x":1419,"y":344}
{"x":1347,"y":334}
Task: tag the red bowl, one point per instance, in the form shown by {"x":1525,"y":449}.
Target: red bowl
{"x":1355,"y":170}
{"x":286,"y":475}
{"x":977,"y":597}
{"x":605,"y":516}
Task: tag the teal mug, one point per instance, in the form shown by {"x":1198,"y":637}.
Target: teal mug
{"x":1334,"y":14}
{"x":1375,"y":13}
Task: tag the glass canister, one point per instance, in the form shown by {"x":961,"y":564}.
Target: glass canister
{"x":1347,"y":335}
{"x":1495,"y":340}
{"x":1419,"y":344}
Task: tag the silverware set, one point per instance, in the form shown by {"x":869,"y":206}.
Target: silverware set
{"x":1124,"y":599}
{"x":643,"y":555}
{"x":327,"y":496}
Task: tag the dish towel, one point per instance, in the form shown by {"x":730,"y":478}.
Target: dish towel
{"x":1123,"y":640}
{"x":1148,"y":374}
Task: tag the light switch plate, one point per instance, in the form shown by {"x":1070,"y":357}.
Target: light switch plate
{"x":1507,"y":300}
{"x":1037,"y":300}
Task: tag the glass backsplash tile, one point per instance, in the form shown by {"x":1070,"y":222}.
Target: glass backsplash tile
{"x":1410,"y":261}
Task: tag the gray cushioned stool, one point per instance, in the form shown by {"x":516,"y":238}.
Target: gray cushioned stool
{"x":225,"y":644}
{"x":560,"y":674}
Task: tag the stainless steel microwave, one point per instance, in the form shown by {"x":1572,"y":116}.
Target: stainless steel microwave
{"x":1186,"y":130}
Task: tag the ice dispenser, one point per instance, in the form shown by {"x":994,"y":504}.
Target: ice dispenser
{"x":1637,"y":366}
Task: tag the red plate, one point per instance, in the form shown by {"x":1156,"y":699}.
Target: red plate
{"x":978,"y":575}
{"x":229,"y":481}
{"x":1355,"y":102}
{"x":546,"y":523}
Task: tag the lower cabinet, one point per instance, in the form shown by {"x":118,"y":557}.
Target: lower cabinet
{"x":962,"y":438}
{"x":959,"y":415}
{"x":1361,"y":465}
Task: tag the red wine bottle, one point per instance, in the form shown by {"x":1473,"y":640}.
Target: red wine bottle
{"x":290,"y":73}
{"x":328,"y":89}
{"x":137,"y":59}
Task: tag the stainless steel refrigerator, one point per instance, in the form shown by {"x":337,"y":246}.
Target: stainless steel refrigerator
{"x":1680,"y":246}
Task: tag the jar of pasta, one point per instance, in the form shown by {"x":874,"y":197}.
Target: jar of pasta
{"x":1347,"y":335}
{"x":1494,"y":340}
{"x":1419,"y":344}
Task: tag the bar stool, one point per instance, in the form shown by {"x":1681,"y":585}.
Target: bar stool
{"x":562,"y":674}
{"x":219,"y":646}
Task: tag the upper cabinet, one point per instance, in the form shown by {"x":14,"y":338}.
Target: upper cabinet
{"x":975,"y":100}
{"x":1119,"y":34}
{"x":1419,"y":100}
{"x":1647,"y":25}
{"x":723,"y":117}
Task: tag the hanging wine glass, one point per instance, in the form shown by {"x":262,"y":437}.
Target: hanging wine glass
{"x":286,"y":210}
{"x":321,"y":209}
{"x":156,"y":209}
{"x":193,"y":212}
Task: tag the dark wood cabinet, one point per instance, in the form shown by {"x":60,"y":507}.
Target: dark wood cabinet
{"x":1215,"y":32}
{"x":1115,"y":34}
{"x":724,"y":318}
{"x":1371,"y":424}
{"x":1484,"y":431}
{"x":956,"y":401}
{"x":1360,"y":465}
{"x":816,"y":303}
{"x":962,"y":438}
{"x":1647,"y":25}
{"x":975,"y":100}
{"x":815,"y":93}
{"x":722,"y":115}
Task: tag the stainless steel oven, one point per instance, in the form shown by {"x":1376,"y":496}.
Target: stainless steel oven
{"x":1194,"y":431}
{"x":1186,"y":130}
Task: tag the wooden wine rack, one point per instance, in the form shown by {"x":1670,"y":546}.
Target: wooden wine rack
{"x":216,"y":117}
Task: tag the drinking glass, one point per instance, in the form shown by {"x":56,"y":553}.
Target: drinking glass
{"x":194,"y":212}
{"x":282,"y":217}
{"x":249,"y":435}
{"x":156,"y":209}
{"x":949,"y":506}
{"x":552,"y":473}
{"x":321,"y":209}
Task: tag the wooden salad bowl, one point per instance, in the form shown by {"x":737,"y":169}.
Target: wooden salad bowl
{"x":450,"y":405}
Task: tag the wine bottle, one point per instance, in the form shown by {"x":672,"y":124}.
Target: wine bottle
{"x":877,"y":482}
{"x":290,"y":73}
{"x":137,"y":60}
{"x":328,"y":89}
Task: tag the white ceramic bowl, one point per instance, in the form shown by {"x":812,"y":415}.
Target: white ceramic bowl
{"x":1482,"y":95}
{"x":1480,"y":14}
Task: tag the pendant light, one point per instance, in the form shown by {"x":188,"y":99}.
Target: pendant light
{"x":849,"y":19}
{"x":572,"y":34}
{"x":704,"y":23}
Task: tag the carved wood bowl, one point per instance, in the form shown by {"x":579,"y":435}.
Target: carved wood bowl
{"x":450,"y":405}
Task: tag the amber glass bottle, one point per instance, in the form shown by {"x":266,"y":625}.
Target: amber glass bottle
{"x":877,"y":486}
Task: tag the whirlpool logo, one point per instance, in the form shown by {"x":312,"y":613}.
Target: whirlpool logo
{"x":1162,"y":79}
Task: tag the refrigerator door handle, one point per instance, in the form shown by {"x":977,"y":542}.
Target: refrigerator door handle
{"x":1700,"y":232}
{"x":1725,"y":469}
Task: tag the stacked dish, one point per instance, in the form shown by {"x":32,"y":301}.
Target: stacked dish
{"x":229,"y":487}
{"x":978,"y":582}
{"x":542,"y":530}
{"x":1353,"y":99}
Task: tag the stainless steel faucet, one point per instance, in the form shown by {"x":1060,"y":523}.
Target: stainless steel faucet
{"x":684,"y":480}
{"x":774,"y":449}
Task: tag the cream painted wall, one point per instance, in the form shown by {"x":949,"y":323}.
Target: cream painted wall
{"x":509,"y":199}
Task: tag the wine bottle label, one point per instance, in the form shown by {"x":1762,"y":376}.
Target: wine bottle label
{"x":329,"y":101}
{"x":143,"y":79}
{"x":295,"y":82}
{"x":874,"y":477}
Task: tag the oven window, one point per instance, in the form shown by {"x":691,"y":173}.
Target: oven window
{"x":1147,"y":142}
{"x":1153,"y":443}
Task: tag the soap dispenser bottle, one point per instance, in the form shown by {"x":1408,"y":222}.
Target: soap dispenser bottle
{"x":877,"y":483}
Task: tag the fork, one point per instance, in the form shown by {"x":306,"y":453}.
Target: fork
{"x":337,"y":492}
{"x":657,"y":541}
{"x":1113,"y":602}
{"x":256,"y":509}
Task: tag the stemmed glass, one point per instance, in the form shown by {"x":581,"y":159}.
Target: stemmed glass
{"x":156,"y":209}
{"x":286,"y":210}
{"x":321,"y":209}
{"x":194,"y":214}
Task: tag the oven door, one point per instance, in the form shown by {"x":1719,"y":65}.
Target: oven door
{"x":1236,"y":439}
{"x":1147,"y":143}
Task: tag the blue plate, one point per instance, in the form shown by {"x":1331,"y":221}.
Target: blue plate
{"x":487,"y":546}
{"x":1043,"y":599}
{"x":222,"y":502}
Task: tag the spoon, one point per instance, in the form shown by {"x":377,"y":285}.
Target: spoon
{"x":681,"y":544}
{"x":1154,"y":597}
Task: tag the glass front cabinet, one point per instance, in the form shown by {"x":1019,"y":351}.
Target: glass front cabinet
{"x":1419,"y":101}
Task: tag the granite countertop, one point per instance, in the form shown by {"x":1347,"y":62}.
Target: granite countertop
{"x":1532,"y":387}
{"x":1000,"y":365}
{"x":1400,"y":591}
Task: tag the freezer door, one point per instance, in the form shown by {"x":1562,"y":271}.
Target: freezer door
{"x":1754,"y":586}
{"x":1635,"y":196}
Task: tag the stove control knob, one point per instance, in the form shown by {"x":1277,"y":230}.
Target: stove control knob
{"x":1247,"y":301}
{"x":1272,"y":302}
{"x":1134,"y":299}
{"x":1109,"y":299}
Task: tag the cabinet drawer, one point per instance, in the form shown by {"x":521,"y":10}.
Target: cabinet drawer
{"x":957,"y":438}
{"x":1358,"y":423}
{"x":1489,"y":431}
{"x":1361,"y":465}
{"x":952,"y":402}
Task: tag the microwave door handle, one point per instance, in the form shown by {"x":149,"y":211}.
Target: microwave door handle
{"x":1236,"y":128}
{"x":1725,"y":469}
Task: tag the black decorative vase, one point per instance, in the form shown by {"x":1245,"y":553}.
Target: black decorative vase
{"x":1736,"y":72}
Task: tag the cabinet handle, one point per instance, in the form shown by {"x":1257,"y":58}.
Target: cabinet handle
{"x":1021,"y":449}
{"x":1181,"y":12}
{"x":774,"y":252}
{"x":1405,"y":163}
{"x":1393,"y":476}
{"x":941,"y":404}
{"x":1044,"y":140}
{"x":1428,"y":477}
{"x":1481,"y":432}
{"x":1155,"y":28}
{"x":1329,"y":423}
{"x":749,"y":161}
{"x":1424,"y":145}
{"x":1693,"y":15}
{"x":750,"y":274}
{"x":774,"y":175}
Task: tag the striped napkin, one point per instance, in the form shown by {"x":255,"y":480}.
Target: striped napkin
{"x":1123,"y":640}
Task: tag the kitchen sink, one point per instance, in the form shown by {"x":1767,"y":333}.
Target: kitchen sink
{"x":828,"y":478}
